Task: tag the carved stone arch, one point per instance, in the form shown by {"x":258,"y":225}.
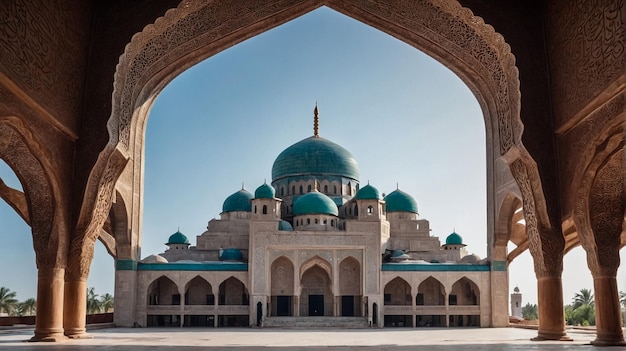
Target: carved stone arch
{"x":509,"y":228}
{"x":350,"y":277}
{"x":282,"y":276}
{"x":316,"y":261}
{"x":397,"y":292}
{"x":451,"y":34}
{"x":601,"y":203}
{"x":41,"y":201}
{"x":197,"y":291}
{"x":431,"y":291}
{"x":161,"y":290}
{"x":119,"y":228}
{"x":467,"y":291}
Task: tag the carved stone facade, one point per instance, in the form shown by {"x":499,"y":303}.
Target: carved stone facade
{"x":549,"y":78}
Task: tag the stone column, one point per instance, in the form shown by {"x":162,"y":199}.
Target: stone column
{"x":599,"y":218}
{"x":550,"y":305}
{"x":608,"y":312}
{"x":75,"y":308}
{"x":49,"y":321}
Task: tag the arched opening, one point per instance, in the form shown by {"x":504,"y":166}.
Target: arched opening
{"x":199,"y":292}
{"x":282,"y":287}
{"x":232,"y":292}
{"x":397,"y":293}
{"x":316,"y":296}
{"x":430,"y":293}
{"x":350,"y":287}
{"x":162,"y":292}
{"x":464,"y":293}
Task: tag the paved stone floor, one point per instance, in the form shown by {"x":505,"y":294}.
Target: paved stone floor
{"x":231,"y":339}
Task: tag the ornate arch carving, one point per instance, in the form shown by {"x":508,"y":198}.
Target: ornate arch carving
{"x":21,"y":150}
{"x":443,"y":29}
{"x":599,"y":210}
{"x":316,"y":261}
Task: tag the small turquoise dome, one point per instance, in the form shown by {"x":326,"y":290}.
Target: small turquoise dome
{"x":177,"y":238}
{"x":315,"y":202}
{"x":265,"y":191}
{"x":239,"y":201}
{"x":454,"y":239}
{"x":367,"y":192}
{"x":399,"y":201}
{"x":232,"y":254}
{"x":315,"y":155}
{"x":285,"y":226}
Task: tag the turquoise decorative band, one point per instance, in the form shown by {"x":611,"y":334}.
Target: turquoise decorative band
{"x":126,"y":265}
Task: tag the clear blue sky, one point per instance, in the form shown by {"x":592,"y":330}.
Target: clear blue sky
{"x":407,"y":119}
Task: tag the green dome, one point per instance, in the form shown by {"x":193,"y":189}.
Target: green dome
{"x":454,"y":239}
{"x":239,"y":201}
{"x":265,"y":191}
{"x":367,"y":192}
{"x":285,"y":226}
{"x":315,"y":202}
{"x":399,"y":201}
{"x":315,"y":155}
{"x":232,"y":254}
{"x":177,"y":238}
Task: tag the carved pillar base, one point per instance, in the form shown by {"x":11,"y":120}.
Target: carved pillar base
{"x":75,"y":309}
{"x":551,"y":314}
{"x":49,"y":321}
{"x":608,"y":313}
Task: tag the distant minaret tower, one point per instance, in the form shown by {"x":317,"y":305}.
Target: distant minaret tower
{"x":516,"y":303}
{"x":316,"y":123}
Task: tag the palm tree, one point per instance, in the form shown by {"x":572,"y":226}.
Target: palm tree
{"x":93,"y":304}
{"x":8,"y":302}
{"x":582,"y":298}
{"x":106,"y":302}
{"x":530,"y":312}
{"x":27,"y":307}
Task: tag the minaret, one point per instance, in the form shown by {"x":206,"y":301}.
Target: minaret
{"x":516,"y":303}
{"x":316,"y":123}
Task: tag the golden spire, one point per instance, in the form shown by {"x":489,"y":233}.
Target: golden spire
{"x":316,"y":122}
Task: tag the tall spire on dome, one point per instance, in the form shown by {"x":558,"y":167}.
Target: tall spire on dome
{"x":316,"y":122}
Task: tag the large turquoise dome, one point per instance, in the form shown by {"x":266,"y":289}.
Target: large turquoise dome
{"x":399,"y":201}
{"x":177,"y":238}
{"x":315,"y":156}
{"x":239,"y":201}
{"x":315,"y":203}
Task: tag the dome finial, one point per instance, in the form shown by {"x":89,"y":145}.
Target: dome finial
{"x":243,"y":186}
{"x":316,"y":122}
{"x":397,"y":186}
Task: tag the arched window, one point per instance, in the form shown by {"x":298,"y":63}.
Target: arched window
{"x":308,"y":188}
{"x":293,"y":190}
{"x":282,"y":191}
{"x":326,"y":189}
{"x":356,"y":210}
{"x":370,"y":210}
{"x":349,"y":189}
{"x":300,"y":189}
{"x":255,"y":209}
{"x":264,"y":209}
{"x":332,"y":222}
{"x":315,"y":220}
{"x":308,"y":221}
{"x":335,"y":190}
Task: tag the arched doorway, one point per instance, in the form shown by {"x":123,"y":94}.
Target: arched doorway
{"x":350,"y":287}
{"x":282,"y":287}
{"x":316,"y":296}
{"x":162,"y":291}
{"x":430,"y":293}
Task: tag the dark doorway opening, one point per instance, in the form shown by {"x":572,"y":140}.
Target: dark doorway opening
{"x":347,"y":306}
{"x":283,"y":305}
{"x":316,"y":305}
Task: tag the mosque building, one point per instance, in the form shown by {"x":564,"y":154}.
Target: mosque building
{"x":314,"y":248}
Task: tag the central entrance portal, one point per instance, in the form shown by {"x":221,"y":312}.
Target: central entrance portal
{"x":316,"y":305}
{"x":316,"y":297}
